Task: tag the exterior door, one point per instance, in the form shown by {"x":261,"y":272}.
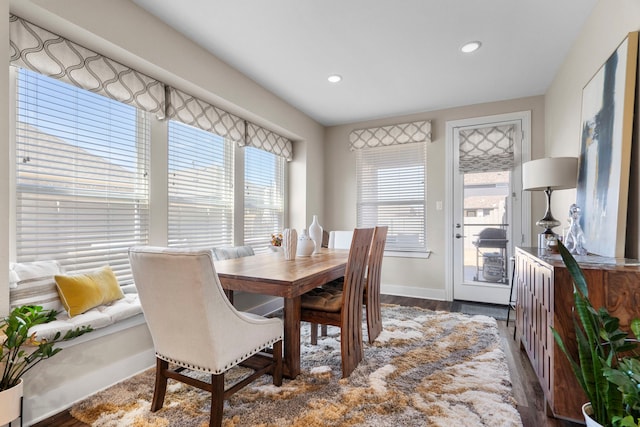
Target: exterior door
{"x":487,"y":206}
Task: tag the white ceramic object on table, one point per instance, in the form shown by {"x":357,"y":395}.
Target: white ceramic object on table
{"x":289,"y":243}
{"x":305,"y":244}
{"x":315,"y":232}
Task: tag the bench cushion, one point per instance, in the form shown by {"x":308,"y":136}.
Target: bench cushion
{"x":33,"y":283}
{"x":230,"y":252}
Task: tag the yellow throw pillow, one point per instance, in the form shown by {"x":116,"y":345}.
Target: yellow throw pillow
{"x":82,"y":292}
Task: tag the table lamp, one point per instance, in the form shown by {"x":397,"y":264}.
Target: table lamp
{"x":548,"y":174}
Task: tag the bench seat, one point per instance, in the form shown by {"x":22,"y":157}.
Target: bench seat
{"x":33,"y":283}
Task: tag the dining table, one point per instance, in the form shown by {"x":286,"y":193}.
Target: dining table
{"x":271,"y":274}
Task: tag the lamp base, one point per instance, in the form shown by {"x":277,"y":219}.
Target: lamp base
{"x":542,"y":242}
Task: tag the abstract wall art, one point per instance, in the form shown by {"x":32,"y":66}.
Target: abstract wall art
{"x":606,"y":135}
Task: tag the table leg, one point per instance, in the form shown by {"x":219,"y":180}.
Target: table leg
{"x":292,"y":337}
{"x":229,"y":294}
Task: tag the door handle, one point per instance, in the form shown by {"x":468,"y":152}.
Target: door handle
{"x":459,"y":236}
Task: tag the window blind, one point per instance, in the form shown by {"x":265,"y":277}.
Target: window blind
{"x":391,"y":190}
{"x":200,"y":188}
{"x":488,"y":149}
{"x":82,"y":187}
{"x":264,"y":194}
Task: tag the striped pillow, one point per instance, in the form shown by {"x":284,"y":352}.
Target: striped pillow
{"x":33,"y":284}
{"x":230,"y":252}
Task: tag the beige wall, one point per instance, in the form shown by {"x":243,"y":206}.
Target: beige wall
{"x":414,"y":276}
{"x":605,"y":29}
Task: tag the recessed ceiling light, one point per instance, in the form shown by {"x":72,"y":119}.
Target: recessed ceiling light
{"x":471,"y":47}
{"x":334,"y":78}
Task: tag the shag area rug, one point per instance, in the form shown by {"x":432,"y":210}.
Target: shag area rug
{"x":426,"y":369}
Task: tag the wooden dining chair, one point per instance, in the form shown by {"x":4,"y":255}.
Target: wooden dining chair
{"x":343,"y":307}
{"x":372,"y":284}
{"x":194,"y":326}
{"x":371,"y":298}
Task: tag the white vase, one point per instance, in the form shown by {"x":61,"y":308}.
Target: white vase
{"x":10,"y":403}
{"x":289,"y":243}
{"x":587,"y":412}
{"x":305,"y":244}
{"x":315,"y":232}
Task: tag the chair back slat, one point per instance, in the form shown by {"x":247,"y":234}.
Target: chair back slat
{"x":374,"y":271}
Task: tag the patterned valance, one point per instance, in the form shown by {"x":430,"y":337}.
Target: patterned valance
{"x":195,"y":112}
{"x":51,"y":55}
{"x":390,"y":135}
{"x":488,"y":149}
{"x":266,"y":140}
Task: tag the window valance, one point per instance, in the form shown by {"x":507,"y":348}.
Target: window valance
{"x":197,"y":113}
{"x":54,"y":56}
{"x":403,"y":133}
{"x":266,"y":140}
{"x":488,"y":149}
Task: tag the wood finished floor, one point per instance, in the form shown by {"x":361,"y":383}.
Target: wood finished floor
{"x":526,"y":389}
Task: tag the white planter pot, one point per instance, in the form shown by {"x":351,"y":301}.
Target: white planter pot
{"x":10,"y":403}
{"x":587,"y":411}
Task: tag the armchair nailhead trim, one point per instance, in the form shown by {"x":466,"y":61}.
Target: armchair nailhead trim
{"x":226,"y":367}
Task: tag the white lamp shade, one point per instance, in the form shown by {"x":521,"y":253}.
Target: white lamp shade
{"x":556,"y":173}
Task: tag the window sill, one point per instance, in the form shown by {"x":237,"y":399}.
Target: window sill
{"x":397,"y":254}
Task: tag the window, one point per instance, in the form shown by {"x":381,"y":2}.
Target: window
{"x":200,"y":188}
{"x":82,"y":185}
{"x":391,"y":188}
{"x":264,"y":194}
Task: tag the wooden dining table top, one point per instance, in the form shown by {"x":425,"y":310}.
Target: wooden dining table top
{"x":270,"y":274}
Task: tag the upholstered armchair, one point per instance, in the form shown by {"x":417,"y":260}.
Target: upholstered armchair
{"x":195,"y":327}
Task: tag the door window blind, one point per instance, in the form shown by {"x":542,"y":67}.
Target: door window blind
{"x":391,"y":190}
{"x":264,"y":194}
{"x":82,"y":185}
{"x":200,"y":188}
{"x":487,"y":149}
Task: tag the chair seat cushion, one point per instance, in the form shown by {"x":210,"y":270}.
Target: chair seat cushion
{"x":323,"y":299}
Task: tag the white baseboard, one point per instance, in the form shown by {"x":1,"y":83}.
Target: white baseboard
{"x":413,"y":292}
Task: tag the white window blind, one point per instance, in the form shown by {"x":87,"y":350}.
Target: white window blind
{"x":391,"y":190}
{"x":264,"y":195}
{"x":82,"y":190}
{"x":200,"y":188}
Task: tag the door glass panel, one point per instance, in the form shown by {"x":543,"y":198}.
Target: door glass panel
{"x":486,"y":227}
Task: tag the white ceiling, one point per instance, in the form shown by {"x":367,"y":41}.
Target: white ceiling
{"x":396,"y":56}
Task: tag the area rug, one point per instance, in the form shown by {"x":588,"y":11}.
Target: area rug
{"x":425,"y":369}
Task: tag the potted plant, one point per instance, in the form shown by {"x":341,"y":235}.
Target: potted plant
{"x":603,"y":356}
{"x":19,"y":352}
{"x":626,"y":375}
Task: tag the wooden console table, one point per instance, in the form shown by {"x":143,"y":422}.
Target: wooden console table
{"x":545,"y":299}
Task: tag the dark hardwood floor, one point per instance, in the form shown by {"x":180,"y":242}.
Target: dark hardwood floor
{"x":526,"y":389}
